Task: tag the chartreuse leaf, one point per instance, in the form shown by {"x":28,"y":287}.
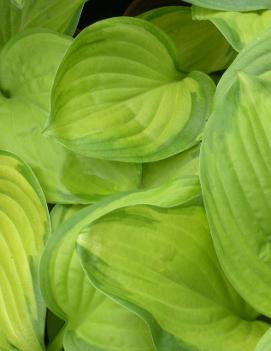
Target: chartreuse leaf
{"x":19,"y":15}
{"x":233,"y":5}
{"x":24,"y":228}
{"x":93,"y":321}
{"x":160,"y":262}
{"x":184,"y":164}
{"x":235,"y":174}
{"x":25,"y":82}
{"x":113,"y":99}
{"x":239,"y":28}
{"x":265,"y":342}
{"x":200,"y":45}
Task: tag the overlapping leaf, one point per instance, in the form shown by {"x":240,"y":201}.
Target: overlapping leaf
{"x":93,"y":321}
{"x":235,"y":173}
{"x":25,"y":82}
{"x":233,"y":5}
{"x":19,"y":15}
{"x":184,"y":164}
{"x":160,"y":262}
{"x":24,"y":228}
{"x":239,"y":28}
{"x":265,"y":342}
{"x":200,"y":46}
{"x":113,"y":99}
{"x":137,"y":7}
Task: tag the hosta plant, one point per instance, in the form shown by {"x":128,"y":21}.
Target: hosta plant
{"x":135,"y":190}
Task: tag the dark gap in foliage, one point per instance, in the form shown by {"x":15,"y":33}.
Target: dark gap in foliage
{"x":264,"y":319}
{"x":96,"y":10}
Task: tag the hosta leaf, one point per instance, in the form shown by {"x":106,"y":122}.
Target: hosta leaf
{"x":18,"y":15}
{"x":24,"y":228}
{"x":239,"y":28}
{"x":93,"y":321}
{"x":62,"y":288}
{"x":112,"y":98}
{"x":25,"y":82}
{"x":236,"y":187}
{"x":200,"y":45}
{"x":137,"y":7}
{"x":233,"y":5}
{"x":265,"y":342}
{"x":184,"y":164}
{"x":161,"y":263}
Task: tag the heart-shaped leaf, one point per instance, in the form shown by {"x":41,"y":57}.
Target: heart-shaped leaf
{"x":93,"y":321}
{"x":235,"y":173}
{"x":200,"y":45}
{"x":233,"y":5}
{"x":160,"y":262}
{"x":239,"y":28}
{"x":24,"y":228}
{"x":25,"y":84}
{"x":112,"y":98}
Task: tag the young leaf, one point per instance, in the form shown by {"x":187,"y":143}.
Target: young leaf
{"x":25,"y":86}
{"x":93,"y":321}
{"x":238,"y":28}
{"x":19,"y":15}
{"x":160,"y":262}
{"x":235,"y":174}
{"x":112,"y":98}
{"x":24,"y":228}
{"x":200,"y":45}
{"x":233,"y":5}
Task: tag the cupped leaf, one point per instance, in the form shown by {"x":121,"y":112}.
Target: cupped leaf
{"x":63,"y":288}
{"x":233,"y":5}
{"x":93,"y":321}
{"x":235,"y":175}
{"x":25,"y":85}
{"x":200,"y":45}
{"x":238,"y":28}
{"x":24,"y":229}
{"x":113,"y":99}
{"x":160,"y":262}
{"x":19,"y":15}
{"x":184,"y":164}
